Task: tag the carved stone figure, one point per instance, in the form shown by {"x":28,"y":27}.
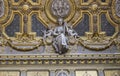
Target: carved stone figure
{"x":60,"y":36}
{"x":118,"y":7}
{"x":60,"y":42}
{"x":1,"y":8}
{"x":47,"y":38}
{"x":72,"y":32}
{"x":60,"y":8}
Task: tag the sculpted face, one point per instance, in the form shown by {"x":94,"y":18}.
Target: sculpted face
{"x":60,"y":21}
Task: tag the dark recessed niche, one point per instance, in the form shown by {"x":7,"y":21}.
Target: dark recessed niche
{"x":13,"y":27}
{"x":37,"y":26}
{"x":85,"y":0}
{"x":103,"y":0}
{"x":83,"y":26}
{"x":16,"y":0}
{"x":34,"y":0}
{"x":106,"y":26}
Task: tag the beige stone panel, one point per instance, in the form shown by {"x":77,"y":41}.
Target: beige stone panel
{"x":38,"y":73}
{"x":9,"y":73}
{"x":112,"y":73}
{"x":86,"y":73}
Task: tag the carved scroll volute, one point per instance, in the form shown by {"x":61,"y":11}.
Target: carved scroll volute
{"x":117,"y":7}
{"x":1,"y":8}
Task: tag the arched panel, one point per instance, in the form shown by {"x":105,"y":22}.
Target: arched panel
{"x":106,"y":26}
{"x":16,"y":0}
{"x":13,"y":27}
{"x":37,"y":26}
{"x":83,"y":26}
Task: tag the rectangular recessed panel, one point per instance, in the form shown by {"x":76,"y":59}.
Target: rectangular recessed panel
{"x":34,"y":0}
{"x":16,"y":0}
{"x":37,"y":26}
{"x":103,"y":0}
{"x":14,"y":26}
{"x":86,"y":73}
{"x":112,"y":72}
{"x":83,"y":25}
{"x":85,"y":0}
{"x":9,"y":73}
{"x":106,"y":26}
{"x":38,"y":73}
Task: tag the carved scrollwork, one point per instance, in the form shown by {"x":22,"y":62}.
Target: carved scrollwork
{"x":96,"y":42}
{"x":25,"y":43}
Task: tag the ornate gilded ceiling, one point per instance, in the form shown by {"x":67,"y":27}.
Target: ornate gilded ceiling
{"x":90,"y":34}
{"x":23,"y":38}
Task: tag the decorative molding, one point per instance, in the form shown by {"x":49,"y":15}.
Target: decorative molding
{"x":59,"y":59}
{"x":59,"y":62}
